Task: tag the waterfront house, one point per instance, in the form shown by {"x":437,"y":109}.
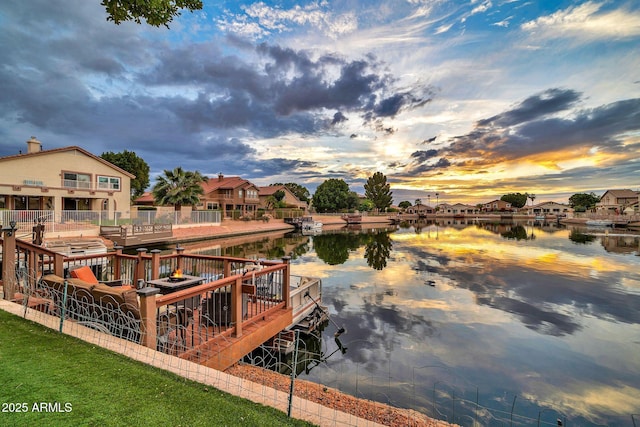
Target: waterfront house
{"x":548,"y":208}
{"x":62,"y":180}
{"x":496,"y":206}
{"x":618,"y":201}
{"x":459,"y":209}
{"x":290,"y":199}
{"x":233,"y":195}
{"x":420,"y":209}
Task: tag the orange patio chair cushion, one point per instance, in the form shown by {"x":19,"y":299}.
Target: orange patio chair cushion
{"x":85,"y":274}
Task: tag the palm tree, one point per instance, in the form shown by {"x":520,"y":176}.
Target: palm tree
{"x":532,"y":197}
{"x":178,"y":188}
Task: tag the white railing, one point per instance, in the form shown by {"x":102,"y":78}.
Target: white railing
{"x":62,"y":221}
{"x":72,"y":183}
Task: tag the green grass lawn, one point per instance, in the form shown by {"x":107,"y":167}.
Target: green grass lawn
{"x":92,"y":386}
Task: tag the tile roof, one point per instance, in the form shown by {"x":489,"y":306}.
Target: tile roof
{"x":64,"y":149}
{"x":230,"y":182}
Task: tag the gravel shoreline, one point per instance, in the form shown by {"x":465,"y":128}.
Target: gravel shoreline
{"x":332,"y":398}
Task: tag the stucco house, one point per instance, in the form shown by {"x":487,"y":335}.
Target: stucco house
{"x":290,"y":199}
{"x":618,"y":201}
{"x":420,"y":209}
{"x":458,"y":209}
{"x":496,"y":206}
{"x":232,"y":195}
{"x":548,"y":208}
{"x":63,"y":179}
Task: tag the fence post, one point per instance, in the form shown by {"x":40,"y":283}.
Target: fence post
{"x":293,"y":372}
{"x":148,"y":316}
{"x":286,"y":281}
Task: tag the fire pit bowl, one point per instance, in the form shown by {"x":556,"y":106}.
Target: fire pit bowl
{"x":174,"y":279}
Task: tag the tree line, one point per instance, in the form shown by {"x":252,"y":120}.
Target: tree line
{"x":179,"y":187}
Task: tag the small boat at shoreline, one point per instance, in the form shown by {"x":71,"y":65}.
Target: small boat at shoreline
{"x":352,"y":218}
{"x":311,"y":226}
{"x":599,"y":223}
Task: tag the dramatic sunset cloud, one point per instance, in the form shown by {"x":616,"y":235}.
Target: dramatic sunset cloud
{"x":467,"y":99}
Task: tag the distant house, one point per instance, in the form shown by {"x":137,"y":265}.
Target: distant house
{"x":548,"y":208}
{"x":234,"y":196}
{"x":459,"y":209}
{"x":618,"y":201}
{"x":63,"y":179}
{"x":444,"y":208}
{"x":420,"y":209}
{"x":496,"y":206}
{"x":230,"y":194}
{"x":290,"y":199}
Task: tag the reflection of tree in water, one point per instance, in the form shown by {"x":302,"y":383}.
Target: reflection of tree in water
{"x":517,"y":232}
{"x":578,"y":236}
{"x":333,"y":249}
{"x":378,"y":250}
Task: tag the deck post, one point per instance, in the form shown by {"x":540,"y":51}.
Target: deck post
{"x":33,"y":263}
{"x":155,"y":264}
{"x":148,"y":316}
{"x":226,"y":267}
{"x":58,"y":264}
{"x":9,"y":261}
{"x":140,"y":265}
{"x":286,"y":281}
{"x":179,"y":251}
{"x":236,"y":305}
{"x":117,"y":263}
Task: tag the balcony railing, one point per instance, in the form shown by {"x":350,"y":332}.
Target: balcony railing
{"x":72,"y":183}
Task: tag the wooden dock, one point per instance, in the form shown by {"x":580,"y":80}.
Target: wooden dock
{"x":138,"y":235}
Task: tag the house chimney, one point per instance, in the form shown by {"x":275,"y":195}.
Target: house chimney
{"x":220,"y":176}
{"x":33,"y":145}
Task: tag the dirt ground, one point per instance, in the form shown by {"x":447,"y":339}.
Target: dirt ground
{"x":332,"y":398}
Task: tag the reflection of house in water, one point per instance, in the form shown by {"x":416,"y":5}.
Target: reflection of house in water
{"x":622,"y":244}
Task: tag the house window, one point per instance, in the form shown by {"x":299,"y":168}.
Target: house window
{"x":212,"y":206}
{"x":240,"y":193}
{"x":76,"y":180}
{"x":3,"y":202}
{"x":108,"y":183}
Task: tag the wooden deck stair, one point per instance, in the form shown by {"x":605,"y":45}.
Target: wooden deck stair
{"x":224,"y":350}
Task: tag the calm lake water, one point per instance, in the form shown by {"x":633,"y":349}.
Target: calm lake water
{"x":512,"y":324}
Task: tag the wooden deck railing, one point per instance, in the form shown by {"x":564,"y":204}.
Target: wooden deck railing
{"x":234,"y":292}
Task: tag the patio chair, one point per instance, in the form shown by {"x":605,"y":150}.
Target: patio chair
{"x":85,"y":274}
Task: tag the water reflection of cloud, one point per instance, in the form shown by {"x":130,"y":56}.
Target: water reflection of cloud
{"x":583,"y":398}
{"x":547,"y":287}
{"x":525,"y":317}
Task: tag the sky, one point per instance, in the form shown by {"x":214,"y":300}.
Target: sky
{"x":468,"y":99}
